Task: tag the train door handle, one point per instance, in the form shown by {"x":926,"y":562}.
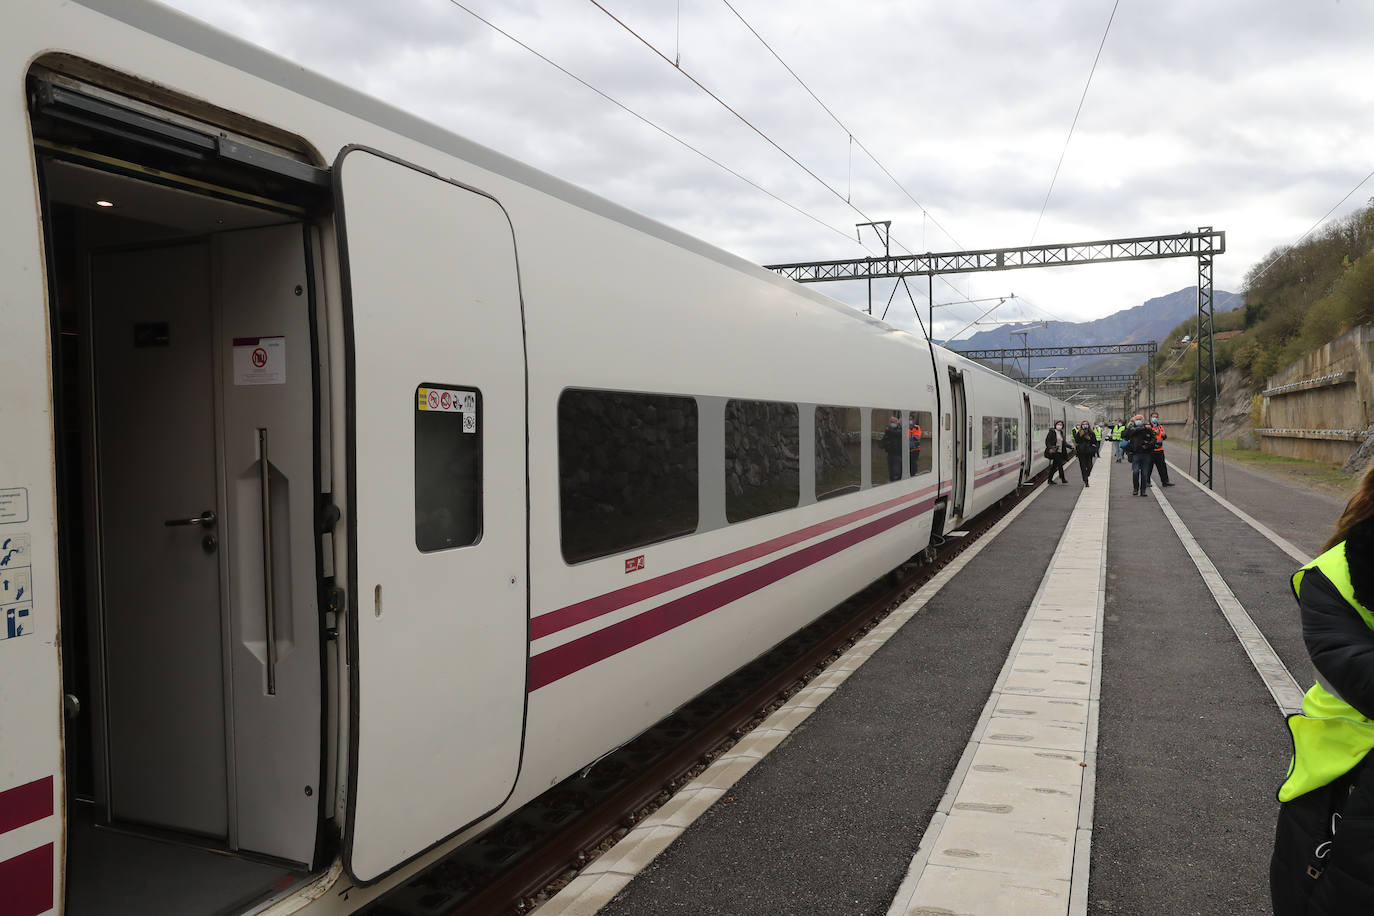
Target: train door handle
{"x":206,"y":519}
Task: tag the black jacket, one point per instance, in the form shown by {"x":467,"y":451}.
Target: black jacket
{"x":1140,"y":439}
{"x":1341,"y":645}
{"x":1084,"y":440}
{"x":1061,"y":445}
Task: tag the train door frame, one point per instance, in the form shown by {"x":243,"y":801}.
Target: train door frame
{"x":81,"y":130}
{"x":1027,"y":445}
{"x":959,"y":410}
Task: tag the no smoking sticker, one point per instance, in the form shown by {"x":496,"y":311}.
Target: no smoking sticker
{"x":259,"y":360}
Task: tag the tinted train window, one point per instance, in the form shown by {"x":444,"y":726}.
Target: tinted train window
{"x":919,"y":439}
{"x":448,"y":467}
{"x":839,"y":451}
{"x":888,"y":450}
{"x":1040,"y":418}
{"x":762,"y":472}
{"x":627,"y":470}
{"x":1000,"y":435}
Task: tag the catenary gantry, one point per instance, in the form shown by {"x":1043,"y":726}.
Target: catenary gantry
{"x":1204,"y":244}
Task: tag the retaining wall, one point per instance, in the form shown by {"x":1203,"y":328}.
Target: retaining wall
{"x":1318,"y":408}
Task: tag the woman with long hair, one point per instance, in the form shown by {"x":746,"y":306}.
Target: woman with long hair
{"x":1323,"y":861}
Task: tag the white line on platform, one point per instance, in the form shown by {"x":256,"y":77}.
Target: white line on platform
{"x":1013,"y":833}
{"x":609,"y":874}
{"x":1277,"y":539}
{"x":1271,"y":668}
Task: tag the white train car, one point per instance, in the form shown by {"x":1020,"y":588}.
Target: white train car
{"x":359,"y":484}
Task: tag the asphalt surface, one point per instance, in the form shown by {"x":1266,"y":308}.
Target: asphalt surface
{"x":1191,"y":746}
{"x":1301,"y":514}
{"x":1254,"y":569}
{"x":828,"y":823}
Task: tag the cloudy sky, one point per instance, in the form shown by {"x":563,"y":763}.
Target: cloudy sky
{"x":1253,"y":117}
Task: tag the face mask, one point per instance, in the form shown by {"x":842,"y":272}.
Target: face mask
{"x":1139,"y":423}
{"x":1059,"y":426}
{"x":1154,"y":419}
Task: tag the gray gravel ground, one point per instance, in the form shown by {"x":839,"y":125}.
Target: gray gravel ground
{"x":828,"y":823}
{"x":1191,"y":746}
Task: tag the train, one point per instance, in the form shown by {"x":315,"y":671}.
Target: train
{"x":359,"y":483}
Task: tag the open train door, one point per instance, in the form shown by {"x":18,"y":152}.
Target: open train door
{"x":1027,"y":439}
{"x":963,"y":437}
{"x":436,"y":505}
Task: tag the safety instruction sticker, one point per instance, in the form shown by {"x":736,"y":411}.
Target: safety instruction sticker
{"x":16,"y":587}
{"x":259,"y":360}
{"x":14,"y":505}
{"x":449,"y":400}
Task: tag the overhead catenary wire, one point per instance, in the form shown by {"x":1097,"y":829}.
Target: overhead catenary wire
{"x":726,"y":105}
{"x":746,"y":122}
{"x":854,"y":141}
{"x":663,"y":130}
{"x":1278,"y":257}
{"x":836,"y":118}
{"x":1083,"y":98}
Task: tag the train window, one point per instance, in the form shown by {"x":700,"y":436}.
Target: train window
{"x":1000,"y":435}
{"x":887,"y":453}
{"x":762,"y":471}
{"x":919,"y":450}
{"x":1040,"y":418}
{"x":448,"y":467}
{"x":839,"y":451}
{"x":627,"y":470}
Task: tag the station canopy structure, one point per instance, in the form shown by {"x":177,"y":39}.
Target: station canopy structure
{"x":1204,"y":245}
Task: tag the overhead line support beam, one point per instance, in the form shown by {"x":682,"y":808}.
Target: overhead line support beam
{"x":1204,"y":242}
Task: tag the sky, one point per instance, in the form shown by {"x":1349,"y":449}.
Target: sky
{"x":947,"y":118}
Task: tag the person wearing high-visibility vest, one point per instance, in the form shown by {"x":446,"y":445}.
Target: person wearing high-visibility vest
{"x":1157,"y":457}
{"x":1119,"y":438}
{"x":1099,"y":431}
{"x":913,"y":445}
{"x":1323,"y":860}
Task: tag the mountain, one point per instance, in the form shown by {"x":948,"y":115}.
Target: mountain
{"x":1151,"y":320}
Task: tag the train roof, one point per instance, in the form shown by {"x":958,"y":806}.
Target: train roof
{"x":196,"y":35}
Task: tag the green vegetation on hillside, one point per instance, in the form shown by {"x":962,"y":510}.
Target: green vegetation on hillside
{"x":1312,"y":293}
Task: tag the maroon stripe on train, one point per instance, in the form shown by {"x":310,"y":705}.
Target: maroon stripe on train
{"x":998,"y":467}
{"x":26,"y":883}
{"x":991,"y":477}
{"x":25,"y":804}
{"x":561,"y":661}
{"x":573,"y":614}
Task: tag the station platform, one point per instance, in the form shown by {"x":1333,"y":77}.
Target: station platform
{"x":1083,"y":713}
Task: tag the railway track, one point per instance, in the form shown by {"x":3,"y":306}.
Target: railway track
{"x":518,"y":863}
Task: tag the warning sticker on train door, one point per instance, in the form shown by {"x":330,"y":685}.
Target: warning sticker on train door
{"x":16,"y":587}
{"x":259,"y":360}
{"x":14,"y":505}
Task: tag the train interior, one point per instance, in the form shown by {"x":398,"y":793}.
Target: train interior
{"x":187,"y":421}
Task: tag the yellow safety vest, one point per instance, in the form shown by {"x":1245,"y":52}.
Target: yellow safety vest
{"x":1330,"y":737}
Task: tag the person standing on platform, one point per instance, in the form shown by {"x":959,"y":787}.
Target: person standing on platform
{"x":1057,"y":448}
{"x":1140,"y":444}
{"x":1119,"y":439}
{"x":893,"y":445}
{"x":1157,"y":457}
{"x":1085,"y":444}
{"x":1323,"y":859}
{"x":1100,"y":432}
{"x":913,"y":447}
